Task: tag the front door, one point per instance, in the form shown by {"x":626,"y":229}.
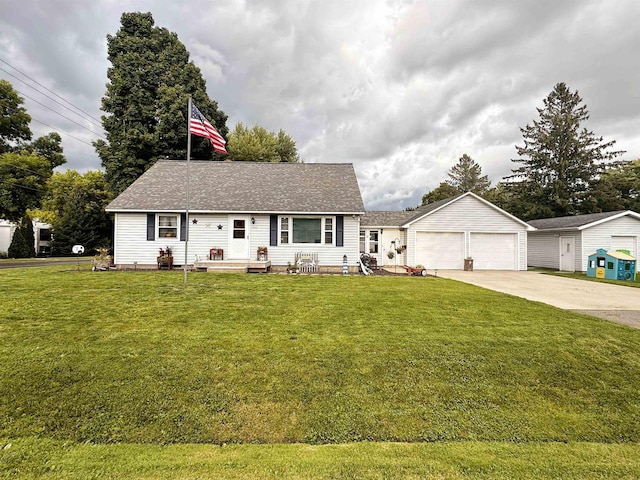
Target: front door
{"x":567,"y":254}
{"x":238,"y":238}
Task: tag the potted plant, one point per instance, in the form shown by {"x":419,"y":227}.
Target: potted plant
{"x":262,"y":254}
{"x":165,"y":259}
{"x":390,"y":254}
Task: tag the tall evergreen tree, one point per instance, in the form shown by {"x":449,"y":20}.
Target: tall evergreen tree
{"x":23,"y":241}
{"x":145,"y":104}
{"x":466,"y":176}
{"x":560,"y":162}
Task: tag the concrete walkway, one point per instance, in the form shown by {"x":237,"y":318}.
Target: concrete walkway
{"x":611,"y":302}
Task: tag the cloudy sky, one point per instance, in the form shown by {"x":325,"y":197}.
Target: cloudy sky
{"x":400,"y":88}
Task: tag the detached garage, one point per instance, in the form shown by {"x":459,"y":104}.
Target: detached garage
{"x":565,"y":243}
{"x":442,"y":234}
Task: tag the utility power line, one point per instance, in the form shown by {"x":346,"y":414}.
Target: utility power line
{"x":63,"y":116}
{"x":47,"y":89}
{"x":61,"y":131}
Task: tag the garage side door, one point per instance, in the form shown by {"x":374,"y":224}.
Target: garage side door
{"x":494,"y":251}
{"x":441,"y":250}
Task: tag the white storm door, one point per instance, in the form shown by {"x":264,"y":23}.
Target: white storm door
{"x":567,"y":254}
{"x":238,"y":238}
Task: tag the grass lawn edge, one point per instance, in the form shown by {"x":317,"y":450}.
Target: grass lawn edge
{"x":45,"y":458}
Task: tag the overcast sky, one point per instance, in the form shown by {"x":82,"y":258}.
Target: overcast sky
{"x":399,"y":88}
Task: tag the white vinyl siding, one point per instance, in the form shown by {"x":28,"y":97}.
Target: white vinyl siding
{"x":544,"y":247}
{"x":601,"y":236}
{"x":468,"y":214}
{"x":494,"y":251}
{"x":131,"y":245}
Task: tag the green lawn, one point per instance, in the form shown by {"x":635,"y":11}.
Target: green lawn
{"x":405,"y":376}
{"x":583,"y":276}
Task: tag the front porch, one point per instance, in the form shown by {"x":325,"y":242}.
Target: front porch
{"x":232,"y":266}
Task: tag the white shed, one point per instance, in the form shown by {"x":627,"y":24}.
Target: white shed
{"x":564,"y":243}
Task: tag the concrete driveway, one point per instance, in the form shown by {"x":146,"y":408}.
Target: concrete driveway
{"x":612,"y":302}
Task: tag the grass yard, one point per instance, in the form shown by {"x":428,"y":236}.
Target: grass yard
{"x":583,"y":276}
{"x":127,"y":374}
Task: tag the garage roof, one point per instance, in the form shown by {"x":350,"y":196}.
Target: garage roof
{"x":579,"y":222}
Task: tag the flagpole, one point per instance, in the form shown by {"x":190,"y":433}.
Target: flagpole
{"x":186,"y":229}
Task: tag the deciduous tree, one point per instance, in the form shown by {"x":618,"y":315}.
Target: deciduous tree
{"x":145,"y":103}
{"x":260,"y":145}
{"x":441,"y":192}
{"x":77,"y":204}
{"x":14,"y":119}
{"x":23,"y":179}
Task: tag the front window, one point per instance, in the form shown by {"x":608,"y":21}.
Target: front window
{"x":284,"y":230}
{"x":362,"y":240}
{"x":45,"y":235}
{"x":328,"y":231}
{"x":168,"y":226}
{"x":307,"y":230}
{"x":299,"y":230}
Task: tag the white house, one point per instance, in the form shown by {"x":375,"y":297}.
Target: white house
{"x":237,"y":207}
{"x":565,"y":243}
{"x":442,"y":234}
{"x":41,"y":236}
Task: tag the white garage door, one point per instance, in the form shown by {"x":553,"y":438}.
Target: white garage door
{"x":624,"y":243}
{"x":494,"y":251}
{"x":440,"y":250}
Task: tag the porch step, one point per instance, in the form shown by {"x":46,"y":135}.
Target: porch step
{"x":233,"y":266}
{"x":227,"y":269}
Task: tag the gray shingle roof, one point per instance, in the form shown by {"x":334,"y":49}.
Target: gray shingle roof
{"x":388,"y":219}
{"x":244,"y":187}
{"x":384,"y":219}
{"x":571,"y":222}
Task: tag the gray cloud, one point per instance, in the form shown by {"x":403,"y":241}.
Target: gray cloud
{"x":400,"y":88}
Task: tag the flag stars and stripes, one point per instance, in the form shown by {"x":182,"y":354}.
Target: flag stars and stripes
{"x":200,"y":126}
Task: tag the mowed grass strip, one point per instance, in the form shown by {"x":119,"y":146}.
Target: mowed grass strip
{"x":30,"y":458}
{"x":133,"y":357}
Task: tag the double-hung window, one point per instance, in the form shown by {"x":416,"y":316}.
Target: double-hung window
{"x":167,"y":226}
{"x":303,"y":230}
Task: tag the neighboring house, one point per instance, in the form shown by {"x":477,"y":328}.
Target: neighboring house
{"x":442,"y":234}
{"x":6,"y":234}
{"x":238,"y":207}
{"x":565,"y":243}
{"x":41,"y":239}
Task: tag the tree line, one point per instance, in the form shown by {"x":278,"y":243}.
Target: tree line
{"x":562,"y":168}
{"x":150,"y":80}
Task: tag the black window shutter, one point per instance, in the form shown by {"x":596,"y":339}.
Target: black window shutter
{"x":339,"y":230}
{"x":151,"y":226}
{"x":183,"y":227}
{"x":273,"y":230}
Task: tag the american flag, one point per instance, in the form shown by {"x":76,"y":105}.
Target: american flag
{"x":198,"y":125}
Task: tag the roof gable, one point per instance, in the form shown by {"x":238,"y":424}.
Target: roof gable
{"x":422,"y":212}
{"x":580,"y":222}
{"x":244,"y":187}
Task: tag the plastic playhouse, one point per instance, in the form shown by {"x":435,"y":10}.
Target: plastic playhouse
{"x":617,"y":265}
